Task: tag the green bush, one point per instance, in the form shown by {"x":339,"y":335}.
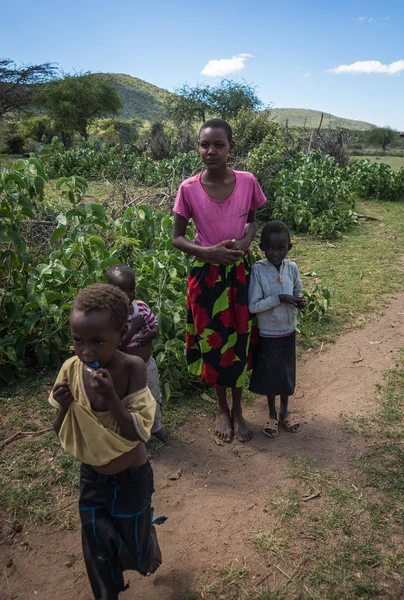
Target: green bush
{"x":38,"y":286}
{"x":266,"y":161}
{"x":250,"y":129}
{"x":376,"y":180}
{"x":95,"y":160}
{"x":311,"y":193}
{"x":35,"y":297}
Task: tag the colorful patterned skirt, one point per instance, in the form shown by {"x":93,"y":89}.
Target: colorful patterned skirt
{"x":220,"y":333}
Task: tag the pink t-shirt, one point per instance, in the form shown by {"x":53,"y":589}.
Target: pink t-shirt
{"x":217,"y":221}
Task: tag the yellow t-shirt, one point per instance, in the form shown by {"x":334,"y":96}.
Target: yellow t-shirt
{"x":94,"y":437}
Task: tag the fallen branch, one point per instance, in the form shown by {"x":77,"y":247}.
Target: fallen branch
{"x":22,"y":434}
{"x":366,"y":217}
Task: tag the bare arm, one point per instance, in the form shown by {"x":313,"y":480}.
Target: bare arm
{"x":104,"y":386}
{"x":224,"y":253}
{"x":249,"y":233}
{"x":63,"y":396}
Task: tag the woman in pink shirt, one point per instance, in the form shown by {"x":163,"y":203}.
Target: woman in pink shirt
{"x":222,"y":204}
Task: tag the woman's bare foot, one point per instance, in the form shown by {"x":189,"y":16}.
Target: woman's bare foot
{"x":161,"y":435}
{"x":156,"y":559}
{"x":223,"y":427}
{"x":241,"y":430}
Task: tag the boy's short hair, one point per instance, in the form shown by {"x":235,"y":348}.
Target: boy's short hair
{"x":273,"y":227}
{"x":103,"y":296}
{"x":121,"y":271}
{"x":218,"y":124}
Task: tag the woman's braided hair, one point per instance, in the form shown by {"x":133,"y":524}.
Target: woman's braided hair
{"x":103,"y":296}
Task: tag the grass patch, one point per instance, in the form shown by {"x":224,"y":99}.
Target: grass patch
{"x":348,"y":542}
{"x":395,"y":162}
{"x":358,"y":269}
{"x":228,"y":584}
{"x":37,"y":477}
{"x":269,"y":542}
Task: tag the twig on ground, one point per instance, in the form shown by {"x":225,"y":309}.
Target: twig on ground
{"x":22,"y":434}
{"x":358,"y":360}
{"x":312,"y":496}
{"x":67,"y":505}
{"x":7,"y":581}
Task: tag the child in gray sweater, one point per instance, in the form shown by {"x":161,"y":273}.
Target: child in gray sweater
{"x":275,"y":295}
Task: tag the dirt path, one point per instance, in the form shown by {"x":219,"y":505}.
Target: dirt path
{"x":221,"y":495}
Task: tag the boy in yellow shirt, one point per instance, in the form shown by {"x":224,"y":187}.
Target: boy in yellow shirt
{"x":105,"y":414}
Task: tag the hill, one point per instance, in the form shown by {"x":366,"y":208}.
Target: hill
{"x":139,"y":98}
{"x":144,"y":100}
{"x":303,"y":117}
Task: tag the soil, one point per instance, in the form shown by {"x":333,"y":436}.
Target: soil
{"x":220,"y":495}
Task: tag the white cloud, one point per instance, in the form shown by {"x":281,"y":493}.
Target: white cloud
{"x":386,"y":18}
{"x":307,"y":74}
{"x":370,"y":66}
{"x":366,"y":19}
{"x":219,"y":67}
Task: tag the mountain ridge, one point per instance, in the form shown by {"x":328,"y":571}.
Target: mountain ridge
{"x":144,"y":100}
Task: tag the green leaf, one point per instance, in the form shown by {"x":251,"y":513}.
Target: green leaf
{"x":58,"y":233}
{"x":109,"y":262}
{"x":95,"y":240}
{"x":165,"y":323}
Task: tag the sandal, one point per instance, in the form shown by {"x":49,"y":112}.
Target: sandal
{"x":271,"y":428}
{"x":290,"y":422}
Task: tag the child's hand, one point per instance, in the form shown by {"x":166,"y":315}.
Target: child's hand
{"x":136,"y":324}
{"x":301,"y":302}
{"x":101,"y":381}
{"x":62,"y":394}
{"x":295,"y":300}
{"x":146,"y":338}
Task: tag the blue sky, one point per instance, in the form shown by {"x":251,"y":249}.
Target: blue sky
{"x":293,"y":46}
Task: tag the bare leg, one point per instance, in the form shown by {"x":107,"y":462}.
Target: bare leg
{"x":223,"y":426}
{"x":272,"y":407}
{"x":241,"y":429}
{"x":283,"y":413}
{"x":283,"y":410}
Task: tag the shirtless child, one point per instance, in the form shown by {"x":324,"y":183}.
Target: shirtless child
{"x":105,"y":412}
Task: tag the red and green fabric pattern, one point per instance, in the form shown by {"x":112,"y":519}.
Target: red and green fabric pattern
{"x":220,"y":333}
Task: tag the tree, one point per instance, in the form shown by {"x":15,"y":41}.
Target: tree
{"x":18,"y":84}
{"x":188,"y":104}
{"x":76,"y":100}
{"x":224,"y":100}
{"x":229,"y":97}
{"x":382,"y":136}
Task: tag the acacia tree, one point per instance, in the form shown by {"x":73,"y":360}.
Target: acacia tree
{"x":224,"y":100}
{"x":76,"y":100}
{"x":382,"y":136}
{"x":18,"y":84}
{"x":229,"y":97}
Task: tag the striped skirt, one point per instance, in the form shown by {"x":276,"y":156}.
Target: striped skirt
{"x":274,"y":371}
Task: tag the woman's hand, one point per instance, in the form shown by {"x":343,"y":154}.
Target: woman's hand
{"x":224,"y":253}
{"x":62,"y":394}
